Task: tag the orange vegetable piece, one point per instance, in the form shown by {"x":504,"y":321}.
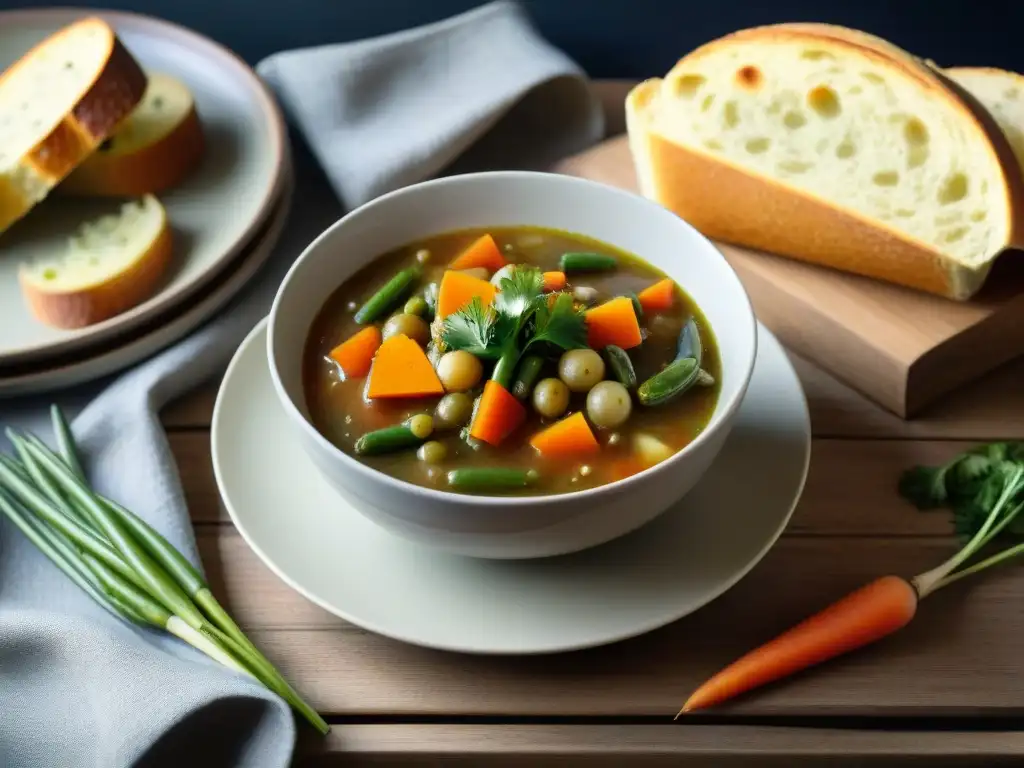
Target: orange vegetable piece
{"x":355,"y":355}
{"x":658,"y":297}
{"x":482,"y":252}
{"x":457,"y":289}
{"x":401,"y":369}
{"x":498,"y":415}
{"x":569,"y":437}
{"x":869,"y":613}
{"x":613,"y":322}
{"x":554,"y":281}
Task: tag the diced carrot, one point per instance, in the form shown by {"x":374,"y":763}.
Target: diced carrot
{"x":569,"y":437}
{"x":554,"y":281}
{"x":355,"y":354}
{"x":658,"y":297}
{"x":869,"y":613}
{"x":401,"y":369}
{"x":613,"y":322}
{"x":498,"y":415}
{"x":457,"y":289}
{"x":482,"y":252}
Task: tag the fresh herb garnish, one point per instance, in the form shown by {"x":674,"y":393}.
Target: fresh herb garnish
{"x":522,"y":317}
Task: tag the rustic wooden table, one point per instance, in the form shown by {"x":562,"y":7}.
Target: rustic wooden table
{"x":943,"y":691}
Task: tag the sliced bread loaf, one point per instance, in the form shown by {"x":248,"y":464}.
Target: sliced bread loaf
{"x":57,"y":104}
{"x":1002,"y":94}
{"x":154,"y":149}
{"x":831,"y":146}
{"x":110,"y":265}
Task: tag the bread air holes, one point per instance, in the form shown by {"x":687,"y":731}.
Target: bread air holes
{"x":905,"y":213}
{"x":915,"y":133}
{"x":824,"y":101}
{"x":708,"y":101}
{"x":794,"y":120}
{"x":1011,"y":93}
{"x":731,"y":114}
{"x":953,"y":189}
{"x":978,"y":216}
{"x":846,"y":149}
{"x":794,"y":166}
{"x":871,"y":77}
{"x":749,"y":77}
{"x":812,"y":54}
{"x":886,"y":178}
{"x":687,"y":86}
{"x":955,"y":235}
{"x":758,"y":145}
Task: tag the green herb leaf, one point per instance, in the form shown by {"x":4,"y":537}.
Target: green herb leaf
{"x":473,"y":329}
{"x":562,"y":324}
{"x":518,"y":291}
{"x":925,"y":487}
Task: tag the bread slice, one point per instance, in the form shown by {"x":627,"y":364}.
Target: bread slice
{"x":57,"y":104}
{"x":111,"y":264}
{"x":831,"y":146}
{"x":1002,"y":94}
{"x":155,"y":148}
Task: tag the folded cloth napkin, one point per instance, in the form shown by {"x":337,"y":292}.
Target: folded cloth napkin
{"x":79,"y":688}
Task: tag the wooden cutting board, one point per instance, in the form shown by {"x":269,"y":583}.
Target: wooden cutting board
{"x":901,"y":348}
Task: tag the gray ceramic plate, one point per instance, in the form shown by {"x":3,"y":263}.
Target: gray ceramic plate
{"x":323,"y":548}
{"x":215,"y":213}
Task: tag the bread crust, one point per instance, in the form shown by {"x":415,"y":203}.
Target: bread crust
{"x":94,"y":114}
{"x":152,"y":169}
{"x":96,"y":303}
{"x":740,"y":206}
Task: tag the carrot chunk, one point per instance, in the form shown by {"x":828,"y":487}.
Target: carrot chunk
{"x":498,"y":415}
{"x":569,"y":437}
{"x":482,"y":252}
{"x":457,"y":289}
{"x":554,"y":281}
{"x":401,"y":369}
{"x":613,"y":322}
{"x":658,"y":297}
{"x":355,"y":355}
{"x":865,"y":615}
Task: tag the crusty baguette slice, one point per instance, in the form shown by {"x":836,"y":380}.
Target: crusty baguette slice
{"x":111,"y":264}
{"x":1002,"y":94}
{"x":831,"y":146}
{"x":154,"y":149}
{"x":57,"y":104}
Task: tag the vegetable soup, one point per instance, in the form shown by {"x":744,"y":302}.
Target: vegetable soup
{"x":513,"y":360}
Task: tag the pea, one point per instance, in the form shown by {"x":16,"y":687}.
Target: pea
{"x":609,"y":404}
{"x":550,"y":398}
{"x":459,"y":371}
{"x":432,"y":452}
{"x":412,"y":326}
{"x":453,"y":410}
{"x":422,"y":256}
{"x":417,"y":305}
{"x":581,"y":369}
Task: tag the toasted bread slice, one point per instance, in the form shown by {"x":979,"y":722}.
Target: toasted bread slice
{"x":111,"y":264}
{"x":156,"y":147}
{"x":57,"y":104}
{"x":831,"y":146}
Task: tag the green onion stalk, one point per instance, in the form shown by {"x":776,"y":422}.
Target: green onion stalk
{"x":122,"y":562}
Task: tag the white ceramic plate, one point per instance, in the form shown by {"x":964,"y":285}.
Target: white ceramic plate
{"x":161,"y":331}
{"x":331,"y":554}
{"x":215,"y":212}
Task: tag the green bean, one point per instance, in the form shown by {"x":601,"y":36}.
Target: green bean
{"x":526,"y":377}
{"x":387,"y":297}
{"x":638,"y":308}
{"x":491,"y":478}
{"x":689,"y":344}
{"x":621,"y":366}
{"x":411,"y":434}
{"x":670,"y":382}
{"x":587,"y":262}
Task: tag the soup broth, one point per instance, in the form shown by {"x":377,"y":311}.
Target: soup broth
{"x":526,"y":460}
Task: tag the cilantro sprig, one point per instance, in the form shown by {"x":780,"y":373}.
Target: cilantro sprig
{"x":521,"y":317}
{"x":984,"y":488}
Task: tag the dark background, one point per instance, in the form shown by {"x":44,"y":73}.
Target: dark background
{"x":609,"y":38}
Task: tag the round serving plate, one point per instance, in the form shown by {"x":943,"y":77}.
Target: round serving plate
{"x":163,"y":329}
{"x":334,"y":556}
{"x":214,"y":213}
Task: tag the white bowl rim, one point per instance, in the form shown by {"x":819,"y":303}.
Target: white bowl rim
{"x":748,"y":321}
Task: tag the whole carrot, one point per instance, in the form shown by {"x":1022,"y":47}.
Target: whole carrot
{"x":871,"y":612}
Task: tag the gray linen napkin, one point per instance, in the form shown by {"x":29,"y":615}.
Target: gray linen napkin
{"x":78,"y":688}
